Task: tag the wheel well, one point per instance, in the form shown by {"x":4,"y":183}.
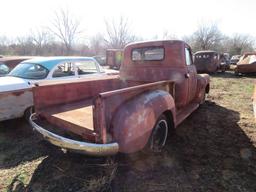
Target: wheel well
{"x":28,"y":112}
{"x":169,"y":117}
{"x":207,"y":88}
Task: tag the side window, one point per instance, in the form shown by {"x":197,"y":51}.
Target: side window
{"x":188,"y":57}
{"x":64,"y":70}
{"x":86,"y":67}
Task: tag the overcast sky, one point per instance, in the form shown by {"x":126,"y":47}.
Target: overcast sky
{"x":147,"y":18}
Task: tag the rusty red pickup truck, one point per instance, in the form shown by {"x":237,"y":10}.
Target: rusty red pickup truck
{"x":158,"y":87}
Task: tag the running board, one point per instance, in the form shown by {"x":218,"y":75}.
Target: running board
{"x":185,"y":112}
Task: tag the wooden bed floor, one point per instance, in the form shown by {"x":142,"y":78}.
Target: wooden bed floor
{"x":77,"y":113}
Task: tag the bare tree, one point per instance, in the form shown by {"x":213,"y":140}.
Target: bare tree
{"x":24,"y":46}
{"x":97,"y":44}
{"x":41,"y":38}
{"x":4,"y":45}
{"x":239,"y":43}
{"x":66,"y":28}
{"x":168,"y":36}
{"x":118,"y":33}
{"x":207,"y":36}
{"x":4,"y":40}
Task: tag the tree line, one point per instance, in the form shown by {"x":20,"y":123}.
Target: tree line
{"x":209,"y":37}
{"x":63,"y":36}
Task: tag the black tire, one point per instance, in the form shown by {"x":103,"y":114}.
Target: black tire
{"x":158,"y":136}
{"x":28,"y":112}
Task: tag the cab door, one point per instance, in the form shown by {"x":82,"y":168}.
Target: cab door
{"x":190,"y":75}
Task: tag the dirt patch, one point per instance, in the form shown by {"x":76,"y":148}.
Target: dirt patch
{"x":213,"y":150}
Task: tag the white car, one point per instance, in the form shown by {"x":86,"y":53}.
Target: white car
{"x":16,"y":98}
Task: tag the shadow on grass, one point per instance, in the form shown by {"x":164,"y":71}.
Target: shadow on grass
{"x":210,"y":152}
{"x":18,"y":143}
{"x":73,"y":172}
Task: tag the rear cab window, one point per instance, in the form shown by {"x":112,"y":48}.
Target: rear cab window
{"x":148,"y":54}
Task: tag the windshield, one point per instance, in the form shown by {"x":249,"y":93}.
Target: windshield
{"x":3,"y":69}
{"x":29,"y":71}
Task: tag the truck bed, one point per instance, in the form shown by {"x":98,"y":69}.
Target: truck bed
{"x":87,"y":108}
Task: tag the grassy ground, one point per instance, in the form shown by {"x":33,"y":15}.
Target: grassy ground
{"x":213,"y":150}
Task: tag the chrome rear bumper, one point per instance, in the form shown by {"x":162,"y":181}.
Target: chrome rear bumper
{"x":78,"y":146}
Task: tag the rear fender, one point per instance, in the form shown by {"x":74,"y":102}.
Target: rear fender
{"x":134,"y":120}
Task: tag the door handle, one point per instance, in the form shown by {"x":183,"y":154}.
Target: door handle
{"x":187,"y":75}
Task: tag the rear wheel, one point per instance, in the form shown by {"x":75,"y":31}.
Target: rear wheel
{"x":159,"y":135}
{"x":28,"y":112}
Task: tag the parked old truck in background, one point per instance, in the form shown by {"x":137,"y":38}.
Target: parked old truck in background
{"x":157,"y":89}
{"x":210,"y":62}
{"x":114,"y":58}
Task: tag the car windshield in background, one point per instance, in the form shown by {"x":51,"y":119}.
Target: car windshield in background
{"x":148,"y":54}
{"x":3,"y":69}
{"x":29,"y":71}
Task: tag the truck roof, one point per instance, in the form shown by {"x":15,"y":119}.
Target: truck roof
{"x":155,"y":43}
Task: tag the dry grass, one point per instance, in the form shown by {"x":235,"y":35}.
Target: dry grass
{"x":213,"y":150}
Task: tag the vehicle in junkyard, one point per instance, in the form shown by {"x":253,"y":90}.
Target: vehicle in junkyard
{"x":157,"y":89}
{"x":224,"y":61}
{"x":227,"y":58}
{"x":114,"y":58}
{"x":246,"y":64}
{"x":16,"y":97}
{"x":209,"y":62}
{"x":8,"y":63}
{"x":234,"y":59}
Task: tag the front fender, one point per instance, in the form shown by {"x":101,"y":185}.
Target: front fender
{"x":134,"y":120}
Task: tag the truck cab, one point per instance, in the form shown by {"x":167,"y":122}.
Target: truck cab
{"x":162,"y":60}
{"x":157,"y":89}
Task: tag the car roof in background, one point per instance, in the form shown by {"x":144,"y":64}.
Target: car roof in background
{"x":50,"y":62}
{"x":10,"y":59}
